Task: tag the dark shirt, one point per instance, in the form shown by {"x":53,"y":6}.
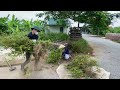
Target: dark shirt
{"x":32,"y":36}
{"x":66,"y":51}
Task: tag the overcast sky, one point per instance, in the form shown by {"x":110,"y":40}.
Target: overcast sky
{"x":31,"y":15}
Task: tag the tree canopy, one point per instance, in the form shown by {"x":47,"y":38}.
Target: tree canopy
{"x":98,"y":20}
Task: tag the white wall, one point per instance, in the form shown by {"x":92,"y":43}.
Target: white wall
{"x":56,"y":29}
{"x":67,"y":30}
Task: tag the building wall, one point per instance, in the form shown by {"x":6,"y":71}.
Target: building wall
{"x":56,"y":29}
{"x":67,"y":30}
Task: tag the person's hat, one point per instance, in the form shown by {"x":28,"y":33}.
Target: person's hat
{"x":36,"y":28}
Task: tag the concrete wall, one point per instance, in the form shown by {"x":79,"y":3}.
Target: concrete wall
{"x":56,"y":29}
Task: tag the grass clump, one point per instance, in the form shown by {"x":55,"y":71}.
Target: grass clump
{"x":80,"y":46}
{"x":79,"y":64}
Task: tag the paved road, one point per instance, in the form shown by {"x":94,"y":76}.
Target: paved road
{"x":107,"y":53}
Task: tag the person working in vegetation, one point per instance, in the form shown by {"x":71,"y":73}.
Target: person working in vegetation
{"x":66,"y":53}
{"x":33,"y":35}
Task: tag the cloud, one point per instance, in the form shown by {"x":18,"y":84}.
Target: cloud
{"x":20,"y":14}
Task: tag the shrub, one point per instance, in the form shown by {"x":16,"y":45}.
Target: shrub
{"x":54,"y":56}
{"x":79,"y":64}
{"x":18,"y":42}
{"x":54,"y":36}
{"x":114,"y":30}
{"x":80,"y":46}
{"x":76,"y":72}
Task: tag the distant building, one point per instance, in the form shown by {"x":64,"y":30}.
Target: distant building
{"x":54,"y":27}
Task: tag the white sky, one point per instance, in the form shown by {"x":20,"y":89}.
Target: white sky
{"x":31,"y":15}
{"x":20,"y":14}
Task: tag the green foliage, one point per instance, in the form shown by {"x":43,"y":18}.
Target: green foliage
{"x":97,"y":20}
{"x":114,"y":30}
{"x":46,"y":44}
{"x":79,"y":64}
{"x":80,"y":46}
{"x":54,"y":36}
{"x":15,"y":25}
{"x":76,"y":72}
{"x":25,"y":25}
{"x":54,"y":56}
{"x":3,"y":25}
{"x":18,"y":42}
{"x":61,"y":21}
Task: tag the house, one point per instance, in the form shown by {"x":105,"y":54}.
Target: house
{"x":54,"y":27}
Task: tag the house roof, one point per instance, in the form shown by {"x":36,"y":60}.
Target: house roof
{"x":51,"y":22}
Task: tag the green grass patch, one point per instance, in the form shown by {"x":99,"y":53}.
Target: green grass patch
{"x":54,"y":36}
{"x":79,"y":64}
{"x":80,"y":46}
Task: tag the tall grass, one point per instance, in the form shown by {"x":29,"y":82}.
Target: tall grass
{"x":54,"y":36}
{"x":79,"y":65}
{"x":114,"y":30}
{"x":80,"y":46}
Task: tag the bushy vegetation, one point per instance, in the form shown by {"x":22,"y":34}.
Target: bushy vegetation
{"x":18,"y":42}
{"x":15,"y":25}
{"x":79,"y":64}
{"x":54,"y":36}
{"x":55,"y":56}
{"x":114,"y":30}
{"x":80,"y":46}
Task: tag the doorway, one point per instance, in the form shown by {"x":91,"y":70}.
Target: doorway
{"x":61,"y":29}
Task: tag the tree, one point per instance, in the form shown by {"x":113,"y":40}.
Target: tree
{"x":60,"y":21}
{"x":98,"y":20}
{"x":3,"y":24}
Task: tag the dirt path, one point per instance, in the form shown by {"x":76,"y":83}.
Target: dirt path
{"x":108,"y":54}
{"x":45,"y":71}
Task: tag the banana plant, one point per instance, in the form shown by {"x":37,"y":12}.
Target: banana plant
{"x":13,"y":24}
{"x":17,"y":30}
{"x":3,"y":24}
{"x":25,"y":25}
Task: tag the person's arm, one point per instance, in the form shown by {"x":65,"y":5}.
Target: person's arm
{"x":29,"y":35}
{"x":36,"y":37}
